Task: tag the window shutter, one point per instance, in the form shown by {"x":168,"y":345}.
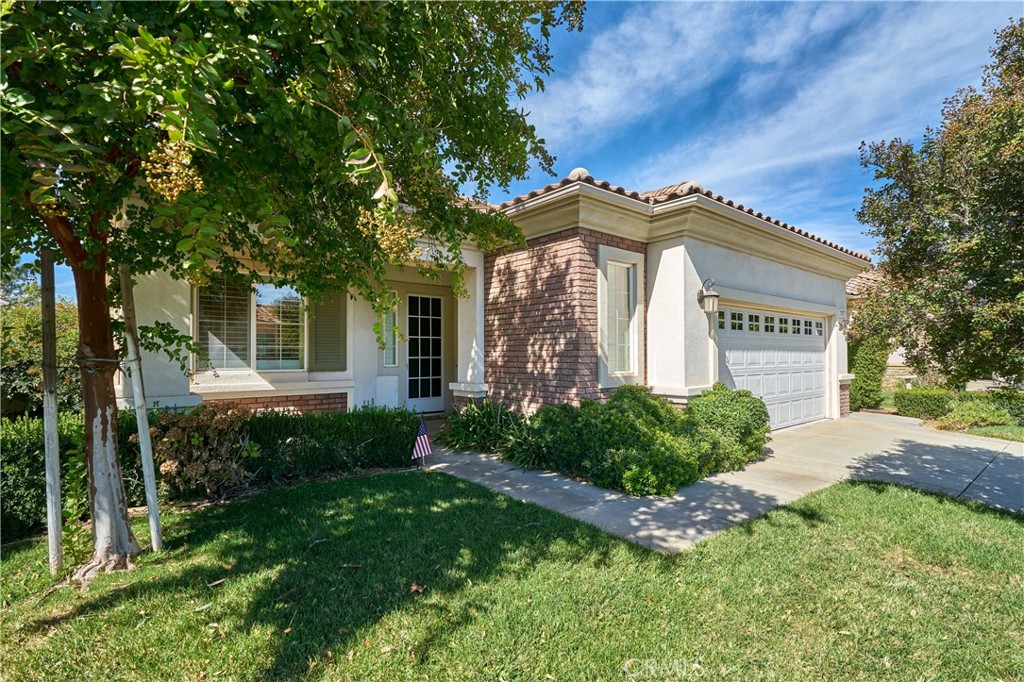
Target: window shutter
{"x":328,"y":333}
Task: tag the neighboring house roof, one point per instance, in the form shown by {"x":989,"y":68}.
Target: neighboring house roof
{"x":863,"y":283}
{"x":668,"y":193}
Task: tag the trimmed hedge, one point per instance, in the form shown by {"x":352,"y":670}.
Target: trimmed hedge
{"x":868,"y":360}
{"x":933,"y":403}
{"x":739,"y":416}
{"x":923,"y":403}
{"x":23,"y":469}
{"x":367,"y":437}
{"x":290,"y":445}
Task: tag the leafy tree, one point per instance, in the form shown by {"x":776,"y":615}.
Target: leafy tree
{"x":21,"y":353}
{"x":17,"y":282}
{"x":949,"y":216}
{"x":311,"y":138}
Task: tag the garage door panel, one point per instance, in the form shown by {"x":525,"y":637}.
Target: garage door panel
{"x":786,"y":370}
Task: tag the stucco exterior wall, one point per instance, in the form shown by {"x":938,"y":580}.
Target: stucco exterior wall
{"x":159,"y":297}
{"x":683,"y":351}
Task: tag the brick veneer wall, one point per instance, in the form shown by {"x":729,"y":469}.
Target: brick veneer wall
{"x":540,"y":320}
{"x":461,"y":402}
{"x":844,"y":399}
{"x":312,"y":402}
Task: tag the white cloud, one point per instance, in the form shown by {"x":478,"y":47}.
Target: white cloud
{"x":656,"y":54}
{"x":889,"y":81}
{"x":766,"y":104}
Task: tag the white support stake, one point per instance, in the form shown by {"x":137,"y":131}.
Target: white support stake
{"x":51,"y":441}
{"x":134,"y":364}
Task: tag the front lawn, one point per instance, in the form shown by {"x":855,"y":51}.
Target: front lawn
{"x":1011,"y":432}
{"x":859,"y":581}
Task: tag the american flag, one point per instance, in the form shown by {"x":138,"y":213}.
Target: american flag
{"x":421,"y":448}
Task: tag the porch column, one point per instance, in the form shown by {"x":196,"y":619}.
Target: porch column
{"x":469,"y":384}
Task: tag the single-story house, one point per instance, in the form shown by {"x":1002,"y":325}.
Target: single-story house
{"x":674,"y":288}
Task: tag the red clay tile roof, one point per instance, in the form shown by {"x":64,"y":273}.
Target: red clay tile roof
{"x":668,"y":193}
{"x":864,"y":282}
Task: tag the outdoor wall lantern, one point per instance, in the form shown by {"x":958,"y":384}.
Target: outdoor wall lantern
{"x":708,"y":297}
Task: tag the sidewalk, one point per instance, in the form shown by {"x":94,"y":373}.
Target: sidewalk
{"x":802,"y":459}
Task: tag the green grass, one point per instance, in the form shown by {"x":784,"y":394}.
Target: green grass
{"x":887,"y":400}
{"x":1012,"y":432}
{"x":859,"y":581}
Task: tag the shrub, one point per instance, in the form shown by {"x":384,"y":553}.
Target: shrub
{"x":483,"y":427}
{"x":659,"y":470}
{"x":739,"y":415}
{"x":923,"y":403}
{"x":23,"y":469}
{"x":968,"y":413}
{"x":642,"y":444}
{"x":203,"y":451}
{"x":868,"y":360}
{"x":367,"y":437}
{"x":715,"y":452}
{"x":206,"y":451}
{"x":1010,"y":400}
{"x":618,"y":445}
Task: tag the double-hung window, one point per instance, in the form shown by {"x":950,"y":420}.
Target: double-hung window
{"x":620,"y":307}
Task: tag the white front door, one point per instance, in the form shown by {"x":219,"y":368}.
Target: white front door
{"x":779,"y":357}
{"x":425,"y":381}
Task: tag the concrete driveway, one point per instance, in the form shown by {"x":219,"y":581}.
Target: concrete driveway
{"x":802,"y":459}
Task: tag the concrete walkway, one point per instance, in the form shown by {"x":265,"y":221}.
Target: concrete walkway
{"x":802,"y":459}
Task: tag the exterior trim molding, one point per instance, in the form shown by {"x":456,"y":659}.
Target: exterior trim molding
{"x":468,"y":390}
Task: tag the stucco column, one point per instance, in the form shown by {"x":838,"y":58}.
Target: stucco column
{"x":469,"y":384}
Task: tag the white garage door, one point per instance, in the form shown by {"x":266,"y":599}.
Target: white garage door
{"x":779,"y":357}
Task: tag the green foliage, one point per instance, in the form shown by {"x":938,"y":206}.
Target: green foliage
{"x":21,"y":353}
{"x":205,"y":450}
{"x":620,"y":444}
{"x":483,"y":426}
{"x":75,"y":504}
{"x":275,"y":140}
{"x":923,"y":403}
{"x":367,"y":437}
{"x":640,"y":443}
{"x":868,"y":360}
{"x":1010,"y":400}
{"x":949,"y":219}
{"x":268,"y":133}
{"x":23,"y":470}
{"x":737,"y":415}
{"x":966,"y":413}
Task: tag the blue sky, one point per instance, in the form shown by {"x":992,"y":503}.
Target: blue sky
{"x":764,"y":103}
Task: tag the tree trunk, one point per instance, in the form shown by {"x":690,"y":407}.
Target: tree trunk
{"x":113,"y":540}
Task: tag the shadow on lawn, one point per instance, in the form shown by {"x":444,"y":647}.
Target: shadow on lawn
{"x":328,"y":558}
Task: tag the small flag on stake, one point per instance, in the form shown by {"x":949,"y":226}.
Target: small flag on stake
{"x":422,"y":447}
